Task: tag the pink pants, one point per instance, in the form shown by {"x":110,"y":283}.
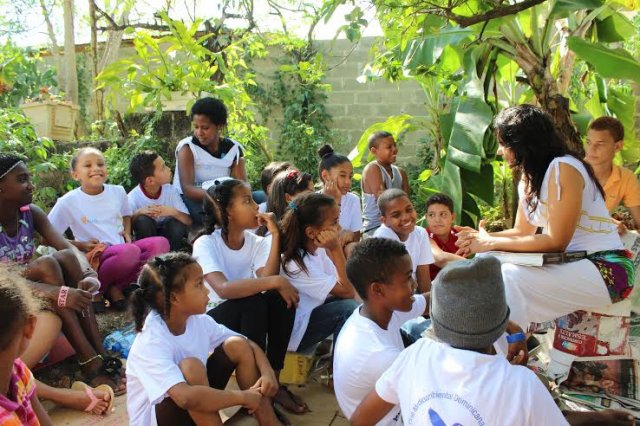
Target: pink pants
{"x":120,"y":264}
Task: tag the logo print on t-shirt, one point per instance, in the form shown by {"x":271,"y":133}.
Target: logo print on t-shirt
{"x":436,"y":420}
{"x":84,"y":220}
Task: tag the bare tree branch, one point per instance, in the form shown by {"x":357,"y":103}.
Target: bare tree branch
{"x":498,"y":12}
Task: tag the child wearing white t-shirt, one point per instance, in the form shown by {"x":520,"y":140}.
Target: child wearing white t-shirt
{"x":171,"y":377}
{"x":399,"y":223}
{"x":314,"y":262}
{"x":336,"y":173}
{"x":99,"y":216}
{"x":445,"y":382}
{"x":156,"y":205}
{"x":381,"y":271}
{"x":242,"y":272}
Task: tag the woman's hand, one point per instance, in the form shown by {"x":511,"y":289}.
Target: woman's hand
{"x":269,"y":220}
{"x":471,"y":241}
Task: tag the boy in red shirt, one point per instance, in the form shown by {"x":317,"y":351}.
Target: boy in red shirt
{"x":440,"y":218}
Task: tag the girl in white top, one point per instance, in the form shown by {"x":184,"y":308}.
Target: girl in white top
{"x":99,"y":216}
{"x":314,"y":262}
{"x":559,"y":194}
{"x":171,"y":377}
{"x":207,"y":155}
{"x":336,"y":171}
{"x":378,"y":176}
{"x":242,"y":273}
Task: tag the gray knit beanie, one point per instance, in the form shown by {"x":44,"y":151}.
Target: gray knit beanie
{"x":468,"y":306}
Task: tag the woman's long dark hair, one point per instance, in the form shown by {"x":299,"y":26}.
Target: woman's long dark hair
{"x":305,"y":210}
{"x":532,"y":136}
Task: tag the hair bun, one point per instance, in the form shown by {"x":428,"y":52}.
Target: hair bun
{"x":325,"y":150}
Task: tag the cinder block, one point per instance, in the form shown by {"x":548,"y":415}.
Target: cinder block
{"x":341,"y":98}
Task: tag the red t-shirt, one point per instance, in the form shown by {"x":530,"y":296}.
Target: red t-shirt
{"x":449,"y":247}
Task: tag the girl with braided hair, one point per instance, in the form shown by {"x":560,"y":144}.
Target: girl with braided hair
{"x":242,"y":271}
{"x":172,"y":379}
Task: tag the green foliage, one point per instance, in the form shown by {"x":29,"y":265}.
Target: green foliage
{"x":185,"y":62}
{"x":470,"y":73}
{"x":22,"y":75}
{"x":300,"y":93}
{"x":49,"y":169}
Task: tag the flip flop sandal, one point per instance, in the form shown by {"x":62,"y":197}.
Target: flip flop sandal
{"x":81,"y":386}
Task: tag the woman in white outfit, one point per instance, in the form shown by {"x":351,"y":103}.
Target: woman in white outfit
{"x":560,"y":194}
{"x":207,"y":156}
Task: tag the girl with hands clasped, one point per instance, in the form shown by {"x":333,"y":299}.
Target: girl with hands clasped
{"x":558,"y":193}
{"x":314,"y":262}
{"x":171,"y":376}
{"x":242,"y":272}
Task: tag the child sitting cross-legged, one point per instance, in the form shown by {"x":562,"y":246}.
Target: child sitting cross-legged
{"x":172,"y":378}
{"x":459,"y":379}
{"x":156,"y":206}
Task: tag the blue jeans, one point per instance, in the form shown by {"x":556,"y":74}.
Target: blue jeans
{"x":325,"y":320}
{"x":416,"y":327}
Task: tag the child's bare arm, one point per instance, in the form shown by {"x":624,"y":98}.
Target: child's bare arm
{"x":268,"y":383}
{"x":248,"y":287}
{"x":330,"y":242}
{"x":272,"y":266}
{"x":206,"y":399}
{"x":41,"y":413}
{"x":372,"y":182}
{"x":371,"y":410}
{"x":423,"y":278}
{"x":126,"y":234}
{"x":169,"y":211}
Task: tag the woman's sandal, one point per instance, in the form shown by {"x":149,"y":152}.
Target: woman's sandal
{"x":301,"y":407}
{"x":81,"y":386}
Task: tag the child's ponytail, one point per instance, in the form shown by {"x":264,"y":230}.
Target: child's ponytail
{"x":158,"y":279}
{"x":305,"y":210}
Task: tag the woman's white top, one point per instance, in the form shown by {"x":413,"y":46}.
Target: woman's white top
{"x":206,"y":166}
{"x":595,"y":230}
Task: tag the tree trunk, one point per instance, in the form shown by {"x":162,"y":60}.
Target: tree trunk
{"x":71,"y":73}
{"x":548,"y":95}
{"x":55,"y":48}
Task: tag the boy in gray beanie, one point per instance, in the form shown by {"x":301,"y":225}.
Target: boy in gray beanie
{"x":459,"y":379}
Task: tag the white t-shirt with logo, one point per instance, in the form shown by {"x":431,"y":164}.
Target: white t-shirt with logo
{"x":313,"y":287}
{"x":92,"y":216}
{"x":168,"y":196}
{"x":436,"y":384}
{"x":350,"y":212}
{"x":214,"y":255}
{"x":153,"y":362}
{"x":363,"y":353}
{"x":417,"y":244}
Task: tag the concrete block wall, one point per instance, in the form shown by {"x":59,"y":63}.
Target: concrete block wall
{"x":355,"y":106}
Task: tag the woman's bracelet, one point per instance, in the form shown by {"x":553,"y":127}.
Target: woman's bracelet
{"x":62,"y":296}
